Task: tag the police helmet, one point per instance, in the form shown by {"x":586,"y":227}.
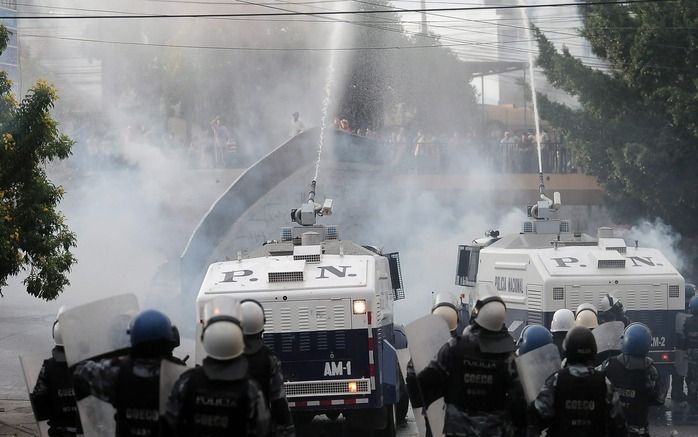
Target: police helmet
{"x":253,"y":318}
{"x":222,"y":338}
{"x":606,"y":303}
{"x":693,"y":305}
{"x":587,"y":319}
{"x":586,"y":306}
{"x":448,"y":312}
{"x":637,"y":339}
{"x":579,"y":346}
{"x":151,"y":326}
{"x":532,"y":337}
{"x":490,"y":313}
{"x":563,"y":321}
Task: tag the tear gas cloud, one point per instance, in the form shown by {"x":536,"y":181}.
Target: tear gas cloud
{"x":657,"y":234}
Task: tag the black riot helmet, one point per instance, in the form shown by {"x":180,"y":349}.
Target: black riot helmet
{"x":579,"y":346}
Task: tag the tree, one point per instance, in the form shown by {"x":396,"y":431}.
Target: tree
{"x":637,"y":126}
{"x":33,"y":235}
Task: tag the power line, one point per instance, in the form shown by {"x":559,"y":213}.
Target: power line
{"x":297,"y":13}
{"x":260,"y":49}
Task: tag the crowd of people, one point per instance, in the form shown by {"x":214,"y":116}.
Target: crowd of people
{"x":239,"y":388}
{"x":425,"y":151}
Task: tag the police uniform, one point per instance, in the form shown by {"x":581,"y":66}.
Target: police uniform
{"x":53,"y":397}
{"x":636,"y":381}
{"x":578,"y":401}
{"x":203,"y":404}
{"x":690,"y":331}
{"x":131,"y":385}
{"x":476,"y":376}
{"x":265,"y":370}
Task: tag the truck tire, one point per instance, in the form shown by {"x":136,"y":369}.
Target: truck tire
{"x":404,"y":405}
{"x":390,"y":424}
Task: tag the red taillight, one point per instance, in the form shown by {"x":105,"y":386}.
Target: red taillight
{"x":665,"y":357}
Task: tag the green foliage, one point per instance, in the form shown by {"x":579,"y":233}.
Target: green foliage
{"x":637,"y":125}
{"x":33,"y":235}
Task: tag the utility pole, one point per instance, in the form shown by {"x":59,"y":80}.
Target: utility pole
{"x":424,"y":17}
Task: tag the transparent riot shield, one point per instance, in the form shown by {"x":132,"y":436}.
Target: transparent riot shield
{"x":169,"y":374}
{"x":608,"y":336}
{"x":425,"y":337}
{"x":680,"y":357}
{"x":31,"y":366}
{"x":535,"y":367}
{"x":403,"y":357}
{"x":222,"y":306}
{"x":97,"y":328}
{"x":97,"y":417}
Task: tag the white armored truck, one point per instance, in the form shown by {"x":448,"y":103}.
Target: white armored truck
{"x":328,"y":305}
{"x":547,"y":267}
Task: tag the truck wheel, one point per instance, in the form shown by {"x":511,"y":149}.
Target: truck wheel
{"x":404,"y":405}
{"x":390,"y":425}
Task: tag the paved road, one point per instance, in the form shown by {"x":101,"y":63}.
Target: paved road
{"x":16,"y":420}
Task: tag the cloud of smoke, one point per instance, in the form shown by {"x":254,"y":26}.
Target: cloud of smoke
{"x":657,"y":234}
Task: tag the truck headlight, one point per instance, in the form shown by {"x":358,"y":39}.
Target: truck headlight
{"x":359,"y":306}
{"x":353,"y":388}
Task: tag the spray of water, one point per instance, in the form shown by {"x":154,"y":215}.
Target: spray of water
{"x":326,"y":102}
{"x":524,"y":17}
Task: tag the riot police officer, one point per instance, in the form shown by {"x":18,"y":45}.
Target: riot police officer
{"x":611,"y":310}
{"x":132,"y":384}
{"x":475,"y":375}
{"x":448,"y":312}
{"x":587,"y":316}
{"x":265,"y":368}
{"x":217,"y":398}
{"x":53,"y":397}
{"x":578,"y":400}
{"x":563,"y":321}
{"x":677,"y":376}
{"x":690,"y":333}
{"x":635,"y":378}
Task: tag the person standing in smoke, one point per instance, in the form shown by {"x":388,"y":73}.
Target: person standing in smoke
{"x":265,"y":368}
{"x":578,"y":400}
{"x":297,"y":125}
{"x":563,"y":321}
{"x":218,"y":399}
{"x":475,"y":374}
{"x":53,"y":397}
{"x":132,"y":384}
{"x":635,"y":378}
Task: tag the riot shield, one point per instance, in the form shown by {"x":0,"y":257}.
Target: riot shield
{"x":425,"y":337}
{"x":31,"y":366}
{"x":97,"y":328}
{"x":169,"y":374}
{"x":403,"y":357}
{"x":535,"y":367}
{"x":97,"y":417}
{"x":608,"y":336}
{"x":680,"y":357}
